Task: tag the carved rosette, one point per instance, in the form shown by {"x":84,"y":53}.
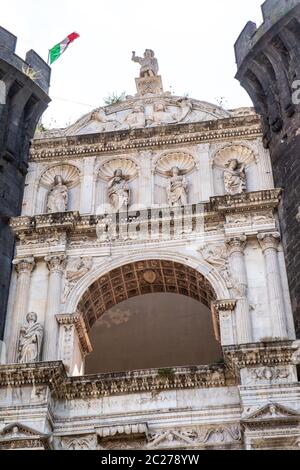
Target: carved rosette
{"x":269,"y":240}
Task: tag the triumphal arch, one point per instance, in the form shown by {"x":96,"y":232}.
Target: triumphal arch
{"x":149,"y":305}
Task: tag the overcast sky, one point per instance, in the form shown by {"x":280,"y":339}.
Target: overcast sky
{"x":193,"y":41}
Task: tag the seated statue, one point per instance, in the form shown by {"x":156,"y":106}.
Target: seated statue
{"x":148,"y":63}
{"x":30,"y":341}
{"x":235,"y":177}
{"x":57,"y":197}
{"x":118,"y":191}
{"x":177,"y":188}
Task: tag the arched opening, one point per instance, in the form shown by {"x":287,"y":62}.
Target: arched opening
{"x":150,"y":314}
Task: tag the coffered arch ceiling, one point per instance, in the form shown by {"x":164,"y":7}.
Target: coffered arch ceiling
{"x":143,"y":277}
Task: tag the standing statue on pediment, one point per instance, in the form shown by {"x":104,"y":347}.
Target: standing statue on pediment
{"x":148,"y":63}
{"x":177,"y":188}
{"x":57,"y":196}
{"x":118,"y":191}
{"x":235,"y":177}
{"x":30,"y":341}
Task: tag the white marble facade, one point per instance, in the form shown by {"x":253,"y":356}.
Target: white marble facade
{"x":105,"y":173}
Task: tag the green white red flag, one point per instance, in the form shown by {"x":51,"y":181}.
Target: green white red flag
{"x":60,"y":48}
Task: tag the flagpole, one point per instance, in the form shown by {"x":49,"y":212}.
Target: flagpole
{"x":48,"y":60}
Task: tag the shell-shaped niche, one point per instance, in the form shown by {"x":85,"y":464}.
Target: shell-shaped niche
{"x":69,"y":173}
{"x":242,"y":153}
{"x":183,"y":161}
{"x":128,"y":167}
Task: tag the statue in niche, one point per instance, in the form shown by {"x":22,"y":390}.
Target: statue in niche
{"x":136,"y":118}
{"x":177,"y":188}
{"x":58,"y":196}
{"x":235,"y":177}
{"x":148,"y":63}
{"x":118,"y":191}
{"x":30,"y":341}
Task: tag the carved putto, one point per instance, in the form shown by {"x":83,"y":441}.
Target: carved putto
{"x":235,"y":177}
{"x":57,"y":196}
{"x":118,"y":191}
{"x":177,"y":188}
{"x":148,"y":63}
{"x":30,"y":341}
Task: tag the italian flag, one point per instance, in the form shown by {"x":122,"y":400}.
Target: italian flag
{"x":60,"y":48}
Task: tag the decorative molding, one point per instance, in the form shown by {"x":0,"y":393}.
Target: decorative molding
{"x":53,"y":374}
{"x":78,"y":321}
{"x":155,"y":137}
{"x":16,"y":436}
{"x":277,"y":353}
{"x":270,"y":416}
{"x":129,"y":431}
{"x":213,"y":436}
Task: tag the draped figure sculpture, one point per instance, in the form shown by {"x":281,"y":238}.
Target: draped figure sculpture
{"x":58,"y":196}
{"x":118,"y":191}
{"x":235,"y":177}
{"x":148,"y":63}
{"x":30,"y":341}
{"x":177,"y":188}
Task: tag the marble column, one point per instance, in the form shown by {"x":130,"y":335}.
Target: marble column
{"x":56,"y":265}
{"x":235,"y":250}
{"x":269,"y":243}
{"x":24,"y":268}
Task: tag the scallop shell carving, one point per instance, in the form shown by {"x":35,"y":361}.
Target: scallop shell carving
{"x":240,"y":152}
{"x":183,"y":161}
{"x":69,"y":173}
{"x":128,"y":167}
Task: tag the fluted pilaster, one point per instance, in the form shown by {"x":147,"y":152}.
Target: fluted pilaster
{"x":56,"y":265}
{"x":235,"y":249}
{"x":24,"y":268}
{"x":269,"y":243}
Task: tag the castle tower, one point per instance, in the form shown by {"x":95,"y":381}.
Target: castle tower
{"x":268,"y":61}
{"x":23,"y":98}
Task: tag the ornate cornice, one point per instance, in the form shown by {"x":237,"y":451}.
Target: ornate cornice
{"x":54,"y":375}
{"x":245,"y":202}
{"x":279,"y":353}
{"x":138,"y":139}
{"x":212,"y":212}
{"x":78,"y":321}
